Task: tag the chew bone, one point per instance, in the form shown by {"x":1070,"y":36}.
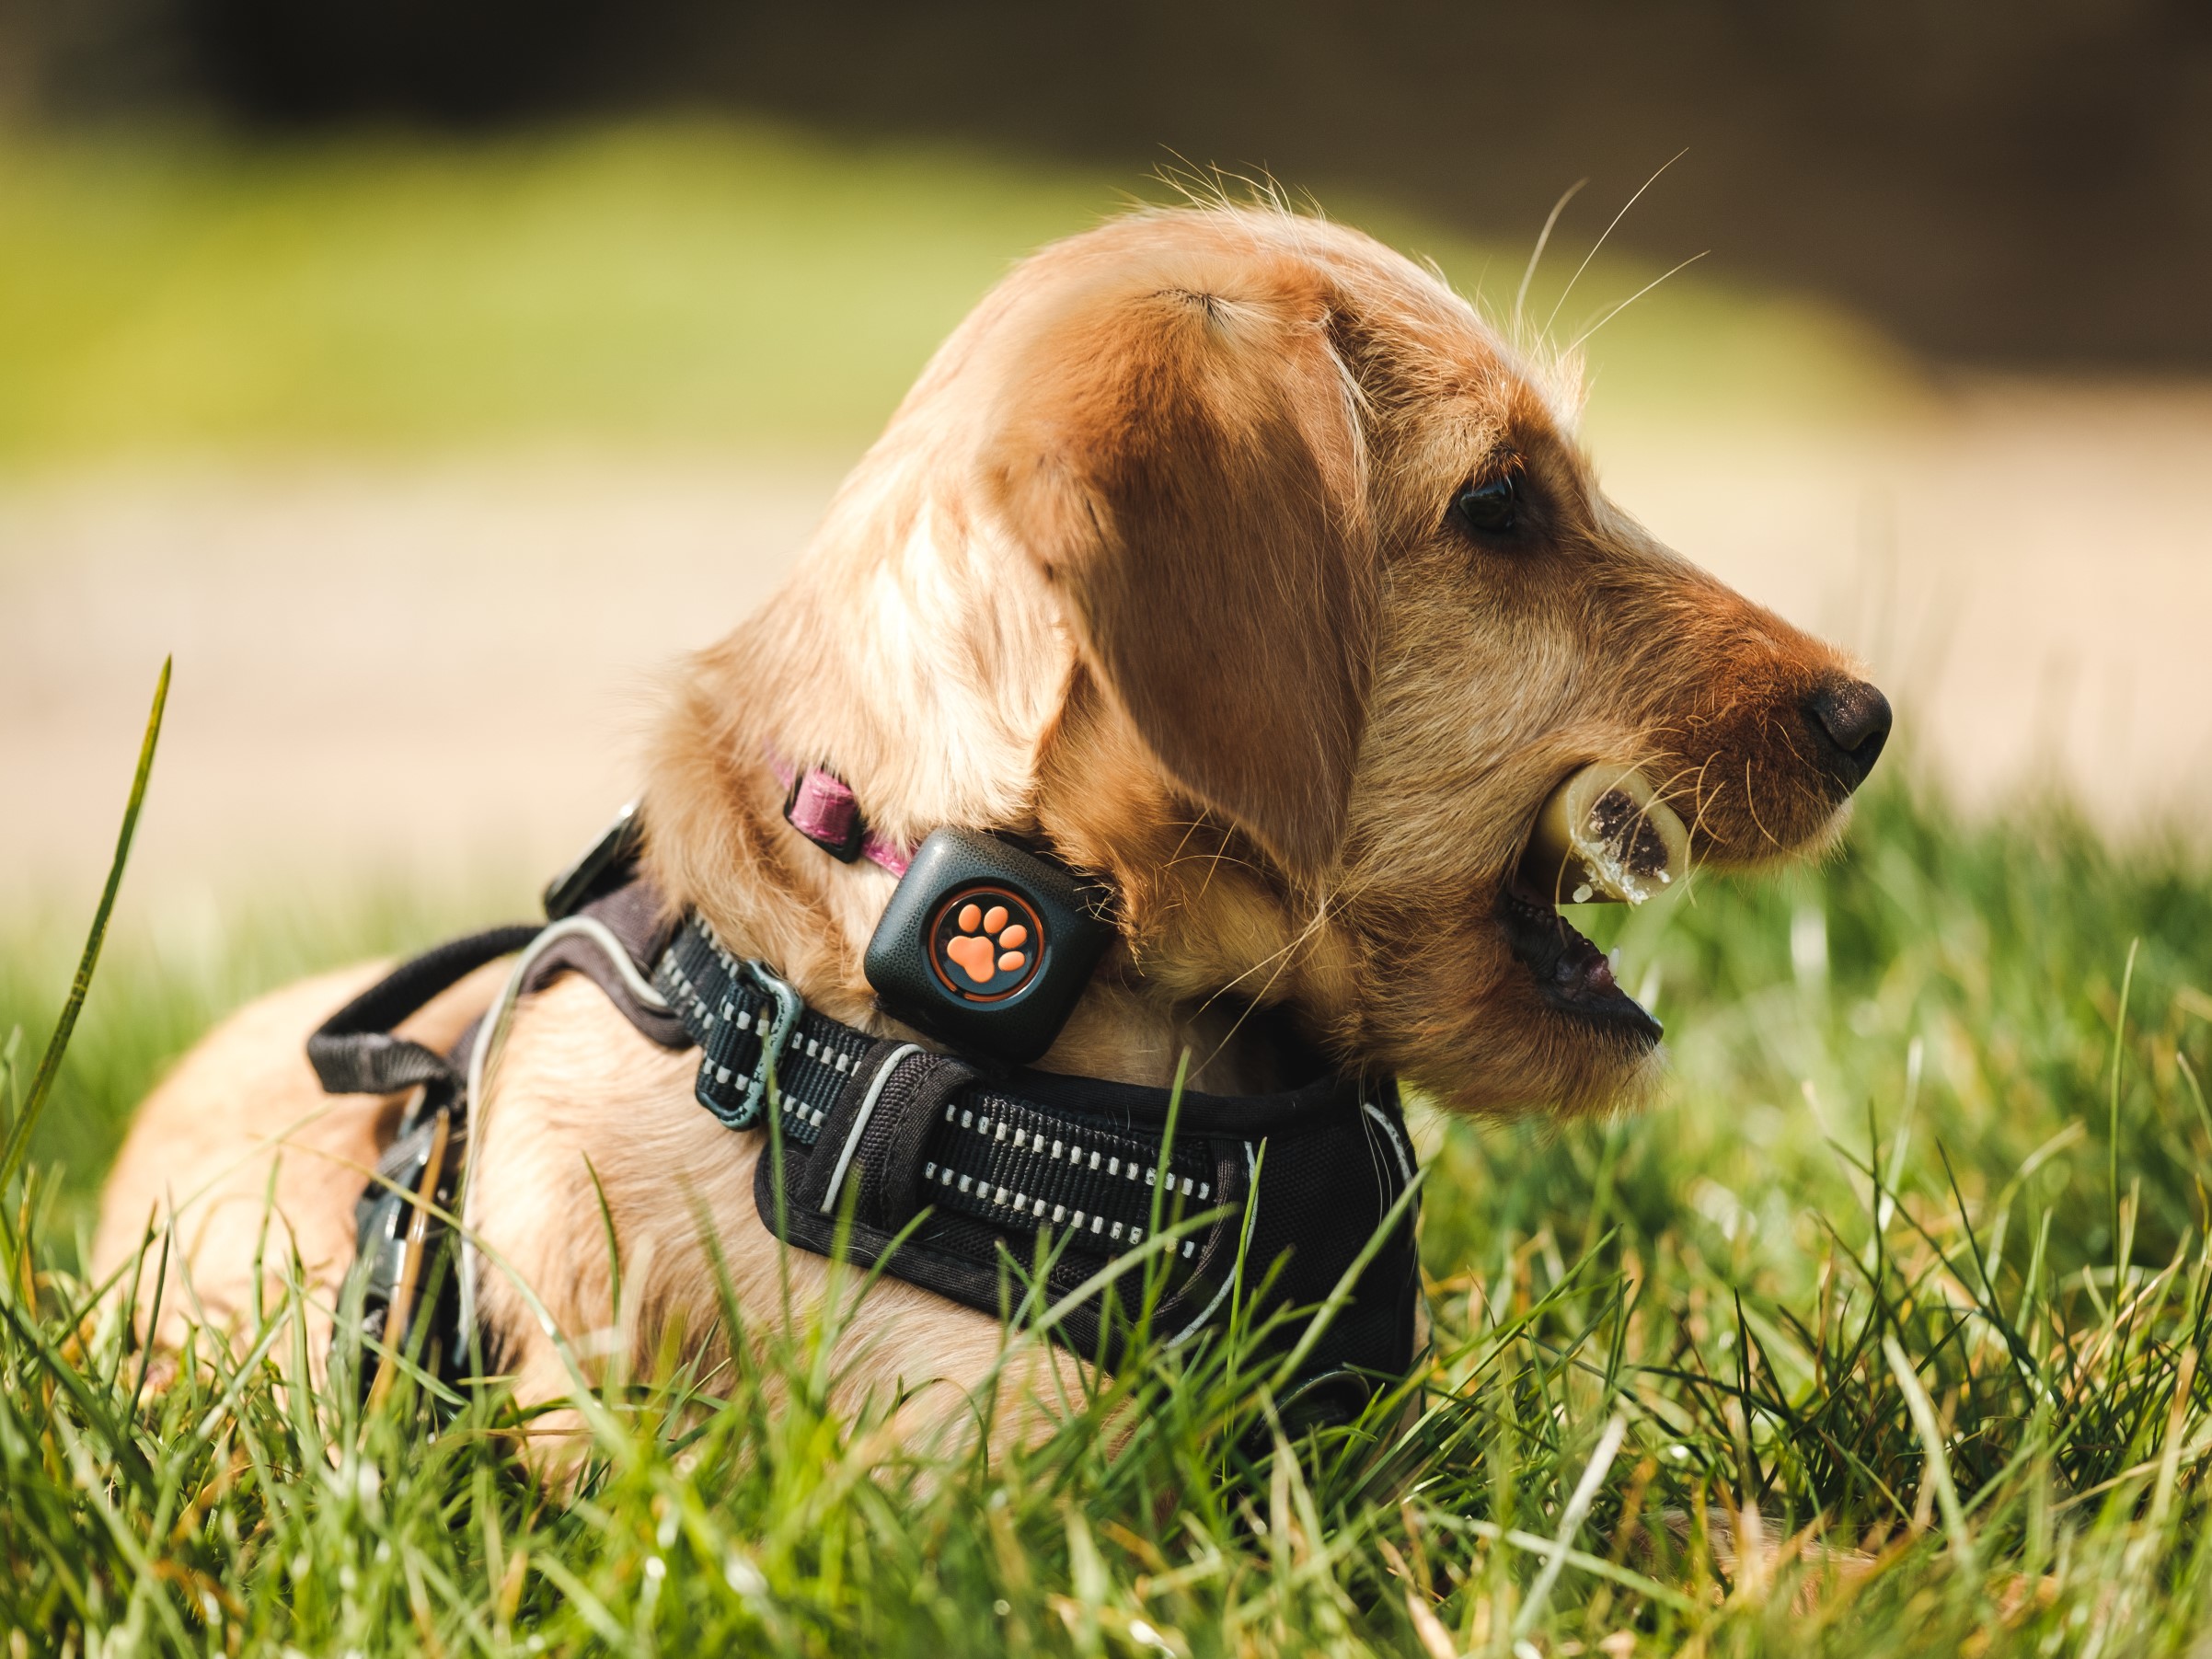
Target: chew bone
{"x":1604,"y":835}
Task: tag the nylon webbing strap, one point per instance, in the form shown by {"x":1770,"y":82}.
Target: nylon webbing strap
{"x":959,"y":1186}
{"x":750,"y":1026}
{"x":354,"y":1051}
{"x":940,"y":1137}
{"x":912,"y":1159}
{"x":1005,"y":1162}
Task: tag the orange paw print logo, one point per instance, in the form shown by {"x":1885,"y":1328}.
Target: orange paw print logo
{"x":984,"y":944}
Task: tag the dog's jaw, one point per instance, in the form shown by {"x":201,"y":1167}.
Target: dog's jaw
{"x":1569,"y":972}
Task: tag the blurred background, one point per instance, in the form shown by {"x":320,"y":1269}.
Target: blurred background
{"x":427,"y":376}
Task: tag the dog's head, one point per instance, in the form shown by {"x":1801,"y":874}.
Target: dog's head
{"x":1315,"y":601}
{"x":1333,"y":558}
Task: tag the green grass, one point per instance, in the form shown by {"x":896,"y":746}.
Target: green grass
{"x":1914,"y":1249}
{"x":692,"y":284}
{"x":1886,"y":1154}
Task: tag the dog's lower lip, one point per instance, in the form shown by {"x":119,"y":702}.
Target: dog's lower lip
{"x":1571,"y":973}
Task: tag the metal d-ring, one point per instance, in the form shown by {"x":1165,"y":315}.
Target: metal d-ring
{"x":789,"y":1005}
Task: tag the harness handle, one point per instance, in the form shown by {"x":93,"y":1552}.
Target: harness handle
{"x":354,"y":1052}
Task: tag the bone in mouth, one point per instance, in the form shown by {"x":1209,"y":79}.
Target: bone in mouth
{"x":1606,"y":836}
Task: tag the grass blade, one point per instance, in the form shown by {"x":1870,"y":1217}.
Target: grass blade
{"x":50,"y":1064}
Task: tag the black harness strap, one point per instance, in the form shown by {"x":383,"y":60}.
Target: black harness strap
{"x":642,"y":926}
{"x":996,"y":1174}
{"x":748,"y":1026}
{"x":403,"y":1270}
{"x":354,"y":1051}
{"x":963,"y":1184}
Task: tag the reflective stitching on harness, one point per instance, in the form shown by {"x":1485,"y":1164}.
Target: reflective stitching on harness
{"x":489,"y":1036}
{"x":1405,"y":1160}
{"x":1004,"y":1166}
{"x":1251,"y":1214}
{"x":868,"y":1109}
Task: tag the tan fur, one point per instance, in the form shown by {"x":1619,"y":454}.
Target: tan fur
{"x":241,"y":1154}
{"x":1153,"y":563}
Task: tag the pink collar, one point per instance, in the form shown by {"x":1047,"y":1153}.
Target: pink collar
{"x":821,"y":806}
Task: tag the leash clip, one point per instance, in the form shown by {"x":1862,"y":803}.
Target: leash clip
{"x":605,"y":865}
{"x":774,"y":1040}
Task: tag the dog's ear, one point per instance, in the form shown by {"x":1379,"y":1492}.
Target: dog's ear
{"x":1184,"y":463}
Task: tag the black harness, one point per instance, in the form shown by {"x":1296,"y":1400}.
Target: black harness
{"x":1007,"y":1190}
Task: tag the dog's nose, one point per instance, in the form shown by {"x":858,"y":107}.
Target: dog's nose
{"x":1850,"y":721}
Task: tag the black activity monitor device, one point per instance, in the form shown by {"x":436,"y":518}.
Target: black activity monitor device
{"x":985,"y":945}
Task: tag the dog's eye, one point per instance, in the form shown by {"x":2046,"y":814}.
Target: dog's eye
{"x":1490,"y":506}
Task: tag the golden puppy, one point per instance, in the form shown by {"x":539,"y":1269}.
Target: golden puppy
{"x":1230,"y":554}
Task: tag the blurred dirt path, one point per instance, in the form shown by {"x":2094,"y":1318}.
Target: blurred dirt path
{"x":440,"y":670}
{"x":434,"y":670}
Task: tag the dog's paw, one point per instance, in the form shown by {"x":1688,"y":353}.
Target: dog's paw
{"x":987,"y":943}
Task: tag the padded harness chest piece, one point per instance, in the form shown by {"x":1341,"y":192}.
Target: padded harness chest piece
{"x":1036,"y":1185}
{"x":1003,"y":1190}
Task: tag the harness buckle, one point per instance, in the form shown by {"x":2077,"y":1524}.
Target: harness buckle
{"x":605,"y":865}
{"x":774,"y":1039}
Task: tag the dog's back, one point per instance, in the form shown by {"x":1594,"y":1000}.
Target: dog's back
{"x":251,"y":1169}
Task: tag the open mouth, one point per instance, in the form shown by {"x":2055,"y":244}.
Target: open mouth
{"x":1602,"y":834}
{"x":1571,"y":973}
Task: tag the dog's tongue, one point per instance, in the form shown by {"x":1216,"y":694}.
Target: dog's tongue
{"x":1604,"y":835}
